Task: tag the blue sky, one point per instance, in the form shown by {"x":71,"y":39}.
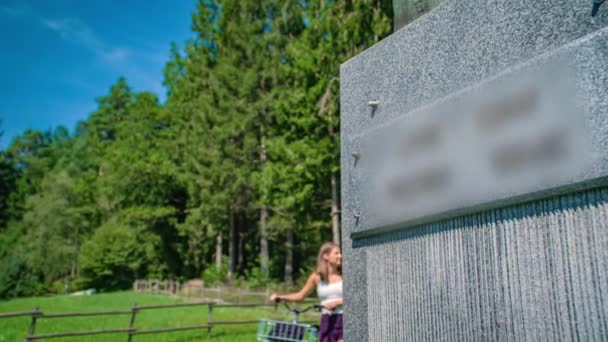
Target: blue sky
{"x":58,"y":56}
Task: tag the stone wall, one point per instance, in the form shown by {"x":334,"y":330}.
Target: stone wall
{"x":528,"y":267}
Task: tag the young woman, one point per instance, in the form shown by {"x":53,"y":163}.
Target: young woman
{"x":327,"y":279}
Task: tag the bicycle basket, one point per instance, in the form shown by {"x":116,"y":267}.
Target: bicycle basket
{"x":271,"y":330}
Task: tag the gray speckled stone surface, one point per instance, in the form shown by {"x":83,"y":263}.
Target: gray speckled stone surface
{"x":518,"y":272}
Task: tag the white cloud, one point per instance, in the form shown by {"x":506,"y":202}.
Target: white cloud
{"x":72,"y":30}
{"x":119,"y":58}
{"x":116,"y":55}
{"x":122,"y":60}
{"x":17,"y":9}
{"x":77,"y":32}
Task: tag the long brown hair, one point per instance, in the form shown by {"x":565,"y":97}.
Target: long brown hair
{"x":322,"y":266}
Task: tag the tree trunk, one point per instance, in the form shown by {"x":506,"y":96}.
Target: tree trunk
{"x":325,"y":107}
{"x":263,"y":242}
{"x":218,"y":251}
{"x":263,"y":216}
{"x":335,"y":212}
{"x":194,"y":245}
{"x":241,"y":257}
{"x":289,"y":257}
{"x":231,"y":247}
{"x":74,"y":268}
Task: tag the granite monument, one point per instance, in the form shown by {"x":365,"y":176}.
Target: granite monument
{"x":475,"y":175}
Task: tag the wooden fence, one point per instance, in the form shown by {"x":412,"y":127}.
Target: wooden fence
{"x":153,"y":286}
{"x":197,"y":290}
{"x":131,"y":330}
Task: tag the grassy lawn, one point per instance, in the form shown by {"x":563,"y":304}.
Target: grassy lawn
{"x":15,"y":329}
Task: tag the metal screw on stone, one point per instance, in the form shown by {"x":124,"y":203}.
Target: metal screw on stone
{"x":357,"y":216}
{"x":357,"y":155}
{"x":374,"y":104}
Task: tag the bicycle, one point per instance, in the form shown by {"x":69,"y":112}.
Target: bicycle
{"x":270,"y":330}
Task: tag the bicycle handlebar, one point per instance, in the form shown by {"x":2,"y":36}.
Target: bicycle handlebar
{"x":316,"y":307}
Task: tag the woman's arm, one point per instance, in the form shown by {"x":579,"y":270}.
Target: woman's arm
{"x":300,"y":295}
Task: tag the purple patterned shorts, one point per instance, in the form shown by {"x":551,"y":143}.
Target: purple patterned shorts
{"x":331,"y":328}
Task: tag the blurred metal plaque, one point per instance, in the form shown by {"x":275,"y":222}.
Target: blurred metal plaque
{"x":516,"y":135}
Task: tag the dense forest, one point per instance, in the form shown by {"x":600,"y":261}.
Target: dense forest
{"x":234,"y":178}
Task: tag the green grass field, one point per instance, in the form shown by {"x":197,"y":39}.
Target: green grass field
{"x":15,"y":329}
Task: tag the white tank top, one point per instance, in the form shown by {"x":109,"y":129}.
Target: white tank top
{"x":328,"y":292}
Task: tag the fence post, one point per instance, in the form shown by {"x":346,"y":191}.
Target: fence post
{"x":32,"y":330}
{"x":209,"y":318}
{"x":132,"y":321}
